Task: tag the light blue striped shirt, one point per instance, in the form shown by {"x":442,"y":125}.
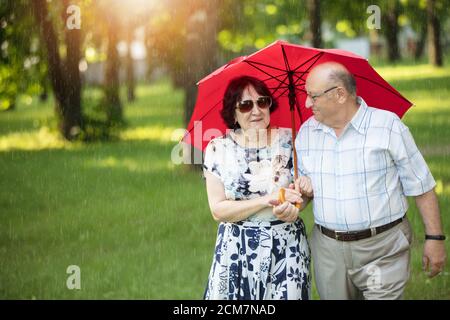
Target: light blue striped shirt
{"x":362,"y":178}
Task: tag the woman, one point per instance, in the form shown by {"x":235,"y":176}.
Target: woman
{"x":261,"y":248}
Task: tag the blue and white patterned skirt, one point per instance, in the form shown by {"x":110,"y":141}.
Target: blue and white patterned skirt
{"x":260,"y":261}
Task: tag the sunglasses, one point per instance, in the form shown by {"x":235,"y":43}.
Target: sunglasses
{"x":247,"y":105}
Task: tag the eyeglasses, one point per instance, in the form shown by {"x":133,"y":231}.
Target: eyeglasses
{"x":247,"y":105}
{"x":314,"y":97}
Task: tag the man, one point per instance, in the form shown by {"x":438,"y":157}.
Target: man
{"x":363,"y":163}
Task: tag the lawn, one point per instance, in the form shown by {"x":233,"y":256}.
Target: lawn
{"x":137,"y":225}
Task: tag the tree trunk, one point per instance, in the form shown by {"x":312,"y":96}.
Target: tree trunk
{"x":43,"y":96}
{"x":150,"y":58}
{"x":69,"y":115}
{"x":201,"y":49}
{"x":421,"y":43}
{"x":129,"y":65}
{"x":391,"y":30}
{"x":315,"y":23}
{"x":54,"y":60}
{"x":200,"y":55}
{"x":434,"y":30}
{"x":112,"y":85}
{"x":72,"y":113}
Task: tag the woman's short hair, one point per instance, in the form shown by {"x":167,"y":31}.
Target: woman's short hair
{"x":233,"y":94}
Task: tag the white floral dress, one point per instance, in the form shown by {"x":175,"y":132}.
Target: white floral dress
{"x":260,"y":257}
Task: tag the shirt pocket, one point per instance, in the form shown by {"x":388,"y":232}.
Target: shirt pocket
{"x":307,"y":165}
{"x":376,"y":170}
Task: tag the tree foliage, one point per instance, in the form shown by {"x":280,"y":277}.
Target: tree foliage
{"x":21,"y":67}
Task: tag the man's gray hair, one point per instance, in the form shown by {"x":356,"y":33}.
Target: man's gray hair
{"x":344,"y":77}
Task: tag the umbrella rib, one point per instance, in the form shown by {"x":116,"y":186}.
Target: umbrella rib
{"x":282,"y":93}
{"x":281,"y":82}
{"x":286,"y":62}
{"x":279,"y":87}
{"x":252,"y":63}
{"x":317,"y":57}
{"x":298,"y":76}
{"x":298,"y":87}
{"x":298,"y":79}
{"x":202,"y":117}
{"x":320,"y":54}
{"x":277,"y":78}
{"x":384,"y":87}
{"x":268,"y":74}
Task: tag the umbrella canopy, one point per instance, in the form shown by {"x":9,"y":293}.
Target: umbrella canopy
{"x":284,"y":68}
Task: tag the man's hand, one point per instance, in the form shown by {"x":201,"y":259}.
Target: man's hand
{"x":286,"y":212}
{"x":434,"y":257}
{"x":290,"y":194}
{"x":304,"y":186}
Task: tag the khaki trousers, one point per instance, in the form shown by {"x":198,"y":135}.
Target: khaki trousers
{"x":372,"y":268}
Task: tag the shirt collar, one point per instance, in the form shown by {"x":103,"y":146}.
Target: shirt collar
{"x":358,"y":118}
{"x":356,"y":122}
{"x":321,"y":126}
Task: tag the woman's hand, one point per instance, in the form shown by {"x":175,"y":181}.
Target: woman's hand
{"x":286,"y":212}
{"x":290,"y":195}
{"x":304,"y":185}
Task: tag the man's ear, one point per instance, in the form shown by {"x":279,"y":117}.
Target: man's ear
{"x":343,"y":95}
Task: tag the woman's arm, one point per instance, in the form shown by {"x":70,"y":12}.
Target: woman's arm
{"x":230,"y":210}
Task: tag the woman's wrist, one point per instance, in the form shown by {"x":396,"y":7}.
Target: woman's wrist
{"x":266,"y":200}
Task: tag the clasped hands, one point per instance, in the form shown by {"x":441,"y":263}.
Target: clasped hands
{"x":287,"y":211}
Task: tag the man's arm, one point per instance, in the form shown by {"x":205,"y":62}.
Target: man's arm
{"x":434,"y":256}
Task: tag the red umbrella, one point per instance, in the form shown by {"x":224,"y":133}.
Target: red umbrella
{"x":284,"y":68}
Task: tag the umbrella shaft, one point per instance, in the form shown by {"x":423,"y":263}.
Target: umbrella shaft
{"x":293,"y":144}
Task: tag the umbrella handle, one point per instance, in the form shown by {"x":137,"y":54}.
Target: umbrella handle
{"x":282,"y":197}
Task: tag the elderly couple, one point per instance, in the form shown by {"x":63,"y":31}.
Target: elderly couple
{"x":357,"y":165}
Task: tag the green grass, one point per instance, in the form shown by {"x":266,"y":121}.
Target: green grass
{"x":138,"y":226}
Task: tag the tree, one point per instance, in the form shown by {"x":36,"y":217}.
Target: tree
{"x":129,"y":64}
{"x":117,"y":20}
{"x":21,"y":67}
{"x":434,"y":30}
{"x":420,"y":45}
{"x":201,"y":48}
{"x":72,"y":74}
{"x":256,"y":23}
{"x":109,"y":26}
{"x":114,"y":111}
{"x":391,"y":29}
{"x":184,"y":40}
{"x":315,"y":22}
{"x":415,"y":11}
{"x":64,"y":75}
{"x":346,"y":17}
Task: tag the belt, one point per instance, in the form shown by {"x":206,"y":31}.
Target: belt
{"x":360,"y":234}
